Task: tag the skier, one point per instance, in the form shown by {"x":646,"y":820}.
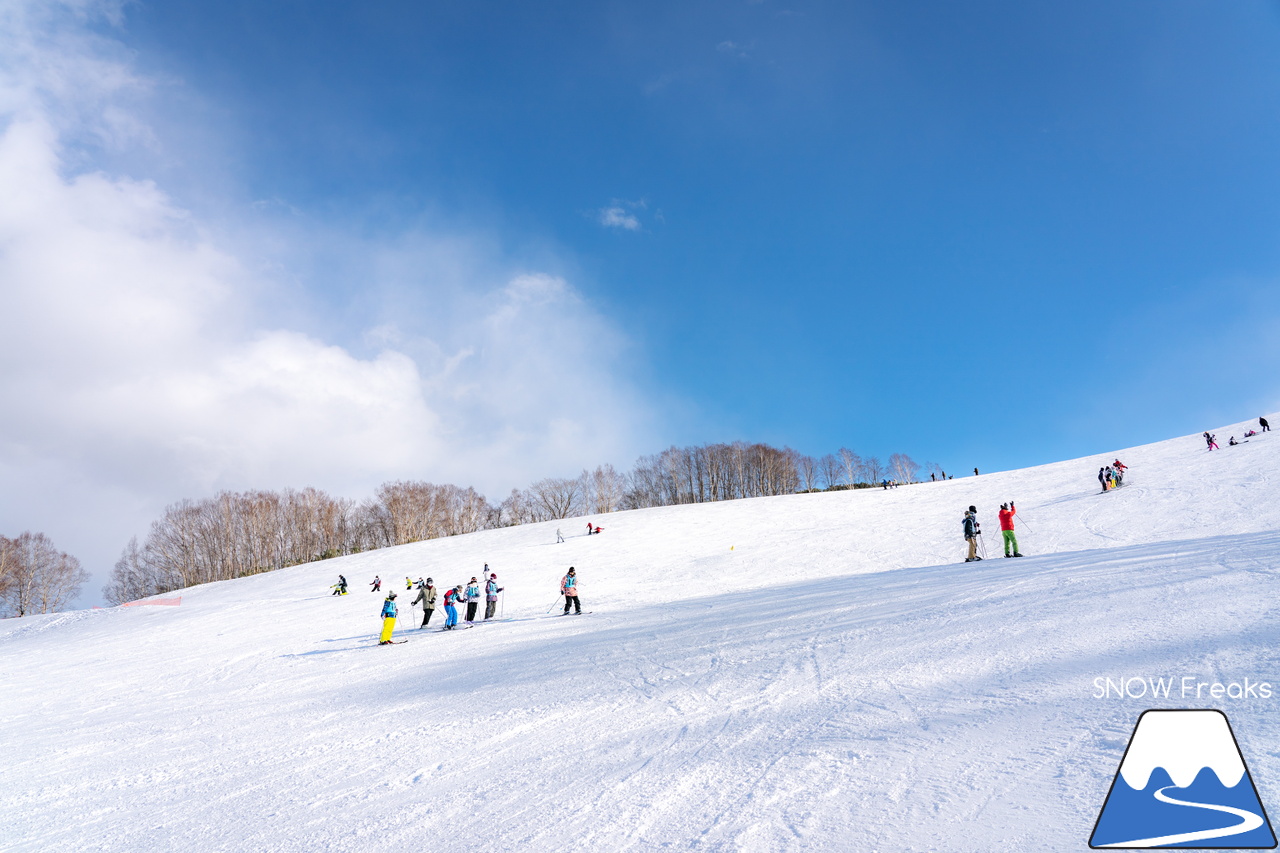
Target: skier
{"x":884,"y":484}
{"x":588,"y":528}
{"x":1262,"y":422}
{"x":491,"y":590}
{"x":408,"y":584}
{"x":598,"y":529}
{"x":472,"y":597}
{"x":388,"y":619}
{"x":340,"y":588}
{"x":975,"y":472}
{"x":1120,"y":466}
{"x":559,"y":536}
{"x":971,"y":532}
{"x":569,"y":589}
{"x":377,"y":584}
{"x":933,"y":478}
{"x":1102,"y":478}
{"x":427,"y":595}
{"x":1231,"y":442}
{"x":1006,"y":514}
{"x":1212,"y":441}
{"x":451,"y":607}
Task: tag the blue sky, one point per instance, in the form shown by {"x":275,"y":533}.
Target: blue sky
{"x":488,"y":242}
{"x":988,"y":233}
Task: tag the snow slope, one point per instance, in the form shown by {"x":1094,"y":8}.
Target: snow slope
{"x":811,"y":672}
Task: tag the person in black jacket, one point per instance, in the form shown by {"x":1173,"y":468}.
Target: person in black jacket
{"x":1266,"y":427}
{"x":971,"y":532}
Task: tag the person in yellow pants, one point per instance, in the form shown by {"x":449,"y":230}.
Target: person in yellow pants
{"x":388,"y":619}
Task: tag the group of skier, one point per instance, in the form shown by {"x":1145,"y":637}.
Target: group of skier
{"x":1262,"y":422}
{"x":454,"y":597}
{"x":1112,"y":476}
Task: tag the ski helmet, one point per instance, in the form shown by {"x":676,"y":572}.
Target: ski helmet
{"x":493,"y":576}
{"x":391,"y":595}
{"x":972,"y":508}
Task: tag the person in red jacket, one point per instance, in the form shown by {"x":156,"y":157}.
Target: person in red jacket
{"x":1007,"y":512}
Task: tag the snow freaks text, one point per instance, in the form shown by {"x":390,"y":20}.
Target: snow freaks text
{"x":1185,"y":687}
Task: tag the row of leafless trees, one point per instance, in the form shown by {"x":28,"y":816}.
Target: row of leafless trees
{"x":234,"y":534}
{"x":35,"y":577}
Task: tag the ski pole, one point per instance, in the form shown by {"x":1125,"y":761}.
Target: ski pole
{"x":554,"y":603}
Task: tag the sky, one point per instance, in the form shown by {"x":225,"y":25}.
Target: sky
{"x":270,"y":244}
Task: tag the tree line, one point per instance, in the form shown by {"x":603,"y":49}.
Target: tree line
{"x":235,"y":534}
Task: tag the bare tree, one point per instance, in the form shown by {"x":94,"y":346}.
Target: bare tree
{"x":904,"y":468}
{"x":556,"y":497}
{"x":8,"y":566}
{"x":829,"y":470}
{"x":810,"y":473}
{"x":873,"y":469}
{"x":853,"y":466}
{"x":43,"y":579}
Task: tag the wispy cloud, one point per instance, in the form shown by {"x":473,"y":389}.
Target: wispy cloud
{"x":736,"y":49}
{"x":622,"y":214}
{"x":145,"y":358}
{"x":619,"y":217}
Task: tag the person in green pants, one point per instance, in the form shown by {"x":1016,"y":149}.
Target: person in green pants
{"x":1007,"y":512}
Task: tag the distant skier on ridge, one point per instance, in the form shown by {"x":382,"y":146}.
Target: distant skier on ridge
{"x":1006,"y":514}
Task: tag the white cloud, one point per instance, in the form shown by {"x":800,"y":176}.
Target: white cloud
{"x":145,"y":359}
{"x":616,"y":216}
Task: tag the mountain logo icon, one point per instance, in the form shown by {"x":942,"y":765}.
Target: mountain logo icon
{"x":1183,"y":784}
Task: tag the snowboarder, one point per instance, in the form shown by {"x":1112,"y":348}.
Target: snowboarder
{"x":1006,"y":514}
{"x":388,"y":619}
{"x":1262,"y":422}
{"x":491,"y":590}
{"x":598,"y":529}
{"x":472,"y":597}
{"x":427,"y":595}
{"x":340,"y":588}
{"x":377,"y":584}
{"x":559,"y":536}
{"x":971,"y":531}
{"x":569,"y":589}
{"x":451,"y":607}
{"x":1232,"y":441}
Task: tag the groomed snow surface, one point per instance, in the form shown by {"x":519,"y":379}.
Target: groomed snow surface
{"x":811,"y":672}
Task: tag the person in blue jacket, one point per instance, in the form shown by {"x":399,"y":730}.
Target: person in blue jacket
{"x":491,"y":590}
{"x":388,"y":619}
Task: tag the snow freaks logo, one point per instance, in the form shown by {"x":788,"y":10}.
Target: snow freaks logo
{"x":1183,"y":783}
